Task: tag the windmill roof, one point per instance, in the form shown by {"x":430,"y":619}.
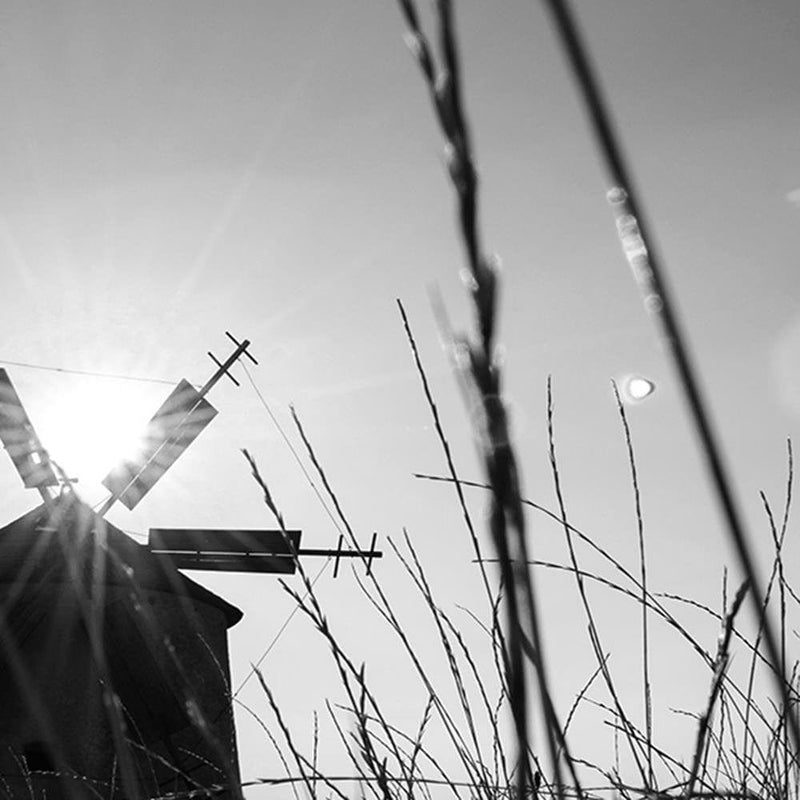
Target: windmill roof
{"x":66,"y":539}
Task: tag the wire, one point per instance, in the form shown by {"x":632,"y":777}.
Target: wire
{"x":87,"y":373}
{"x":292,"y":449}
{"x":254,"y":667}
{"x":321,"y":499}
{"x":288,"y":443}
{"x":285,"y":438}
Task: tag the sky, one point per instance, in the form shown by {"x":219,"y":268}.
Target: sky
{"x":175,"y":170}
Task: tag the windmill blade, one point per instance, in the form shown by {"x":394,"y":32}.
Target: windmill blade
{"x":179,"y":421}
{"x":217,"y":550}
{"x":20,"y":440}
{"x":224,"y":550}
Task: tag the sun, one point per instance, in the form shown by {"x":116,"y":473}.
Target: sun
{"x":91,"y":426}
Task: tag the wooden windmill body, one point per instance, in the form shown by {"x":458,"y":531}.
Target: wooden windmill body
{"x":115,"y":677}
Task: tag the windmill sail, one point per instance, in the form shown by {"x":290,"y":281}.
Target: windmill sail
{"x":228,"y":550}
{"x":179,"y":421}
{"x":20,"y":439}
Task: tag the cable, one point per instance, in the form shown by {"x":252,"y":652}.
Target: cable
{"x":285,"y":438}
{"x":88,"y":373}
{"x":292,"y":449}
{"x":321,"y":499}
{"x":254,"y":667}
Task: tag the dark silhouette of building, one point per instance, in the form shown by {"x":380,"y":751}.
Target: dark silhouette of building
{"x":114,"y":675}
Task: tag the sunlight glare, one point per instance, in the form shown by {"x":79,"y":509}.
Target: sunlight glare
{"x":88,"y":429}
{"x":635,"y":388}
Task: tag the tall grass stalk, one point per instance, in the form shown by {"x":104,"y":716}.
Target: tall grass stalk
{"x":648,"y":694}
{"x":734,"y":759}
{"x":645,"y":261}
{"x":392,"y":764}
{"x":388,"y":759}
{"x":442,"y":75}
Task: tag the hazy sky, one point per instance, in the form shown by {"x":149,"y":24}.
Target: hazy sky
{"x":173,"y":170}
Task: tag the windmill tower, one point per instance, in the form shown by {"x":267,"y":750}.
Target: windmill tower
{"x":115,"y":665}
{"x":114,"y":672}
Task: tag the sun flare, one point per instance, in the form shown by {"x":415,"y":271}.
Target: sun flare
{"x":89,"y":428}
{"x":635,"y":388}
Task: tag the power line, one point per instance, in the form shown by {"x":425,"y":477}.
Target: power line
{"x":291,"y":447}
{"x":321,"y":499}
{"x":254,"y":667}
{"x":87,"y":373}
{"x":284,"y":436}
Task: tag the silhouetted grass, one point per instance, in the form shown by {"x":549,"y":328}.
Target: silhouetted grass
{"x":742,"y":746}
{"x":742,"y":743}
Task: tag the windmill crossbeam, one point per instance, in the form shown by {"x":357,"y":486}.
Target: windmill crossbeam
{"x":243,"y":550}
{"x":241,"y":349}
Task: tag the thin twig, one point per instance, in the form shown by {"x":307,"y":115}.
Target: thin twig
{"x":648,"y":695}
{"x":506,"y":516}
{"x":720,"y":666}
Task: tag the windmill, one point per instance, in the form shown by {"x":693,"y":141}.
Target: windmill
{"x":176,"y":424}
{"x":114,"y":663}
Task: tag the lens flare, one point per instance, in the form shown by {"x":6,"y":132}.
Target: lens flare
{"x":635,"y":388}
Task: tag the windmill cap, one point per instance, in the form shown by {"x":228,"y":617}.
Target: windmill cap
{"x":66,"y":541}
